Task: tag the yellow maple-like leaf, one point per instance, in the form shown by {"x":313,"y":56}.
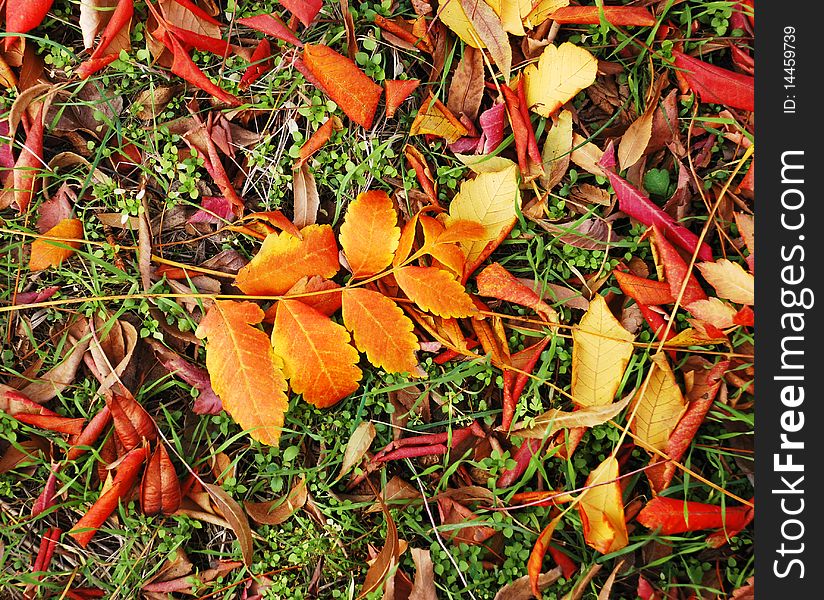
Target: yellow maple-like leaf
{"x":600,"y":354}
{"x":557,"y":150}
{"x":541,"y":10}
{"x":435,"y":118}
{"x":601,"y":509}
{"x":435,"y":290}
{"x":492,"y":200}
{"x":50,"y":253}
{"x":660,"y":408}
{"x":243,"y":369}
{"x":369,"y":234}
{"x":284,"y":259}
{"x":562,"y":71}
{"x":381,"y":330}
{"x":317,"y":358}
{"x":730,"y":280}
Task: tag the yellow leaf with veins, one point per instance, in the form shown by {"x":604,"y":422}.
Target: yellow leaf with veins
{"x":602,"y":510}
{"x":660,"y":408}
{"x":561,"y":72}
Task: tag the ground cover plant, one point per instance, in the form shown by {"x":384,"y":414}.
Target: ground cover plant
{"x":402,"y":300}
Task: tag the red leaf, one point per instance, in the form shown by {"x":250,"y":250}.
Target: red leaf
{"x":634,"y":203}
{"x":304,"y":10}
{"x":90,"y":433}
{"x":48,"y":543}
{"x":25,"y":15}
{"x":29,"y":163}
{"x":126,"y":475}
{"x":568,"y":566}
{"x":676,"y":271}
{"x":492,"y":128}
{"x":93,"y":65}
{"x":271,"y":25}
{"x":198,"y":12}
{"x":260,"y":64}
{"x":536,"y":557}
{"x":744,"y":317}
{"x":46,"y":498}
{"x":184,"y":67}
{"x":524,"y":136}
{"x":160,"y":489}
{"x":121,"y":17}
{"x":616,"y":15}
{"x":131,"y":421}
{"x":644,"y":291}
{"x":350,"y":88}
{"x":52,"y":423}
{"x":213,"y":210}
{"x":198,"y":41}
{"x":674,"y":515}
{"x":529,"y":448}
{"x":716,"y":85}
{"x":398,"y":90}
{"x":317,"y":141}
{"x":496,"y":282}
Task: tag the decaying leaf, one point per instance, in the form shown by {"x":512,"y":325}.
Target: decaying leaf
{"x":553,"y":420}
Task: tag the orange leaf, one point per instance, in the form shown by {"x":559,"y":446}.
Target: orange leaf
{"x":132,"y":423}
{"x":674,"y":515}
{"x":47,"y":253}
{"x":312,"y":291}
{"x":497,"y":282}
{"x":317,"y":357}
{"x":369,"y":234}
{"x":317,"y":140}
{"x":644,"y":291}
{"x":160,"y":488}
{"x":283,"y":259}
{"x":435,"y":118}
{"x":601,"y":509}
{"x":615,"y":15}
{"x":435,"y":290}
{"x":536,"y":557}
{"x":344,"y":82}
{"x":676,"y":270}
{"x":398,"y":90}
{"x":107,"y":502}
{"x":243,"y":369}
{"x":381,"y":330}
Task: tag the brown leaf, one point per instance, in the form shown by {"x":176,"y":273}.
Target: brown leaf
{"x":275,"y":512}
{"x":232,"y":511}
{"x":357,"y":446}
{"x":424,"y":586}
{"x":467,"y":87}
{"x":307,"y":200}
{"x":160,"y":489}
{"x":520,"y":588}
{"x":386,"y":559}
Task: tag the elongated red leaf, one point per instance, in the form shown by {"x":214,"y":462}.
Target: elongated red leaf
{"x":271,"y":25}
{"x":90,"y":433}
{"x":131,"y":421}
{"x":676,"y":271}
{"x":350,"y":88}
{"x":198,"y":41}
{"x":644,"y":291}
{"x":46,"y":499}
{"x":674,"y":515}
{"x":304,"y":10}
{"x":25,"y":15}
{"x":57,"y":424}
{"x":716,"y":85}
{"x":29,"y":164}
{"x":616,"y":15}
{"x":124,"y":479}
{"x":260,"y":64}
{"x":160,"y":489}
{"x":536,"y":557}
{"x":184,"y":67}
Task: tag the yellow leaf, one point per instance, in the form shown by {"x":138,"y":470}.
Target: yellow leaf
{"x":554,"y":419}
{"x":436,"y":119}
{"x":586,"y":155}
{"x":369,"y":234}
{"x":635,"y":139}
{"x":50,"y":253}
{"x":562,"y":71}
{"x":243,"y":369}
{"x":600,"y":354}
{"x":488,"y":27}
{"x":658,"y":411}
{"x":713,"y":311}
{"x":484,"y":163}
{"x":491,"y":200}
{"x":601,"y":509}
{"x":730,"y":280}
{"x":557,"y":150}
{"x":381,"y":330}
{"x":284,"y":259}
{"x":435,"y":290}
{"x":541,"y":11}
{"x":317,"y":357}
{"x":452,"y":14}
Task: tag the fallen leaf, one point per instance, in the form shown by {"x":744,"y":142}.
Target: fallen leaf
{"x":466,"y":89}
{"x":491,"y":199}
{"x":497,"y":282}
{"x":160,"y":489}
{"x":730,"y":280}
{"x":674,"y":515}
{"x":600,"y":354}
{"x":554,"y":420}
{"x":283,"y":259}
{"x":259,"y":64}
{"x":317,"y":140}
{"x":234,"y":515}
{"x":47,"y":253}
{"x":307,"y":200}
{"x":424,"y":585}
{"x":676,"y":270}
{"x":536,"y":557}
{"x":381,"y":330}
{"x":636,"y":138}
{"x":557,"y":150}
{"x":317,"y":357}
{"x":660,"y":407}
{"x":487,"y":27}
{"x":304,"y":10}
{"x":520,"y":589}
{"x":270,"y":24}
{"x":435,"y":290}
{"x":369,"y":234}
{"x":716,"y":85}
{"x":24,"y":15}
{"x":243,"y":369}
{"x":434,"y":118}
{"x":184,"y":67}
{"x":277,"y":511}
{"x":621,"y":16}
{"x":713,"y":311}
{"x":397,"y":91}
{"x":586,"y":155}
{"x":350,"y":88}
{"x":357,"y":447}
{"x":602,"y":510}
{"x":132,"y":424}
{"x":644,"y":291}
{"x":386,"y":559}
{"x":561,"y":72}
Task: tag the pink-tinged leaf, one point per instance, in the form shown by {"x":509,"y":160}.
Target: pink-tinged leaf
{"x":207,"y":402}
{"x":260,"y":64}
{"x":184,"y":67}
{"x":29,"y":164}
{"x":398,"y":90}
{"x":46,"y":499}
{"x":39,"y":296}
{"x":716,"y":85}
{"x":54,"y":210}
{"x":615,"y":15}
{"x":214,"y":209}
{"x":304,"y":10}
{"x":271,"y":25}
{"x":25,"y":15}
{"x":637,"y":205}
{"x":198,"y":41}
{"x":492,"y":123}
